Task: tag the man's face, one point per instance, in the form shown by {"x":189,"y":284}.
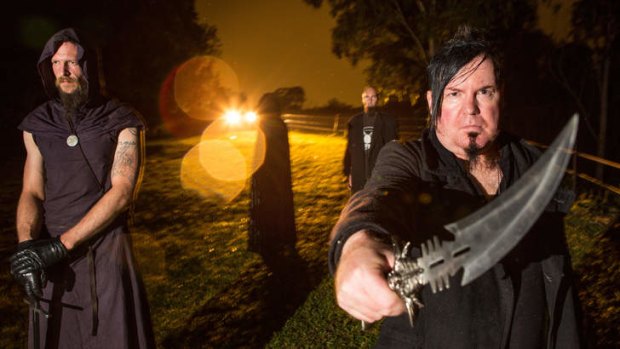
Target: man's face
{"x":66,"y":68}
{"x":470,"y":109}
{"x":369,"y":98}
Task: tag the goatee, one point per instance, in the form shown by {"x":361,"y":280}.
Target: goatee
{"x":472,"y":150}
{"x":474,"y":153}
{"x":72,"y":101}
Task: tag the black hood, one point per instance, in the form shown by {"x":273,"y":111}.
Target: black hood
{"x":87,"y":59}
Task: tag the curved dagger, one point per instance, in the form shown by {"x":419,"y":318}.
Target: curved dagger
{"x":487,"y":235}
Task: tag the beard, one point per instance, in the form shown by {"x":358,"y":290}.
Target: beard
{"x":73,"y":100}
{"x":474,"y":153}
{"x":472,"y":150}
{"x":371,"y":110}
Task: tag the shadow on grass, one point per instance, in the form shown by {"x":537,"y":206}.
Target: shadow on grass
{"x":248,"y":311}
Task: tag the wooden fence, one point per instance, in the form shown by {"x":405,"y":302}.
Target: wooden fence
{"x":412,"y":128}
{"x":336,"y":124}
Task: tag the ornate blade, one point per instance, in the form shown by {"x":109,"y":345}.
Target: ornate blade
{"x":487,"y":235}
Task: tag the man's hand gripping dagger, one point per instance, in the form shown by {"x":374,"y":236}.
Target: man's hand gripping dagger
{"x":406,"y":279}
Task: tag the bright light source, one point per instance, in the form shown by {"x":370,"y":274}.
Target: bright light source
{"x":232,"y":117}
{"x":250,"y":116}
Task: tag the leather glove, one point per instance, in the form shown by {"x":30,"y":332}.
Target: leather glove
{"x":32,"y":283}
{"x":29,"y":262}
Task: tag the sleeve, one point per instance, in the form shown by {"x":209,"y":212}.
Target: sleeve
{"x":35,"y":120}
{"x":346,"y":162}
{"x":384,"y":205}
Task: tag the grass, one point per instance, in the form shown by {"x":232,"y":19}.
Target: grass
{"x":593,"y":237}
{"x":206,"y":290}
{"x":192,"y":248}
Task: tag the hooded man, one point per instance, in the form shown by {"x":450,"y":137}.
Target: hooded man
{"x":272,"y":213}
{"x":74,"y":257}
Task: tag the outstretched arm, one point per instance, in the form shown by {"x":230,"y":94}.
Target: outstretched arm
{"x":361,"y":254}
{"x":116,"y":200}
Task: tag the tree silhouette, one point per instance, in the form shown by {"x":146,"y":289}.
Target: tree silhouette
{"x":140,"y":43}
{"x":398,"y":37}
{"x":595,"y":27}
{"x":291,"y":98}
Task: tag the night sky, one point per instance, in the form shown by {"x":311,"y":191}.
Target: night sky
{"x":282,"y":43}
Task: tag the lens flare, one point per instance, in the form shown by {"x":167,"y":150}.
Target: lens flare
{"x":232,"y":117}
{"x":195,"y":177}
{"x":250,"y":117}
{"x":226,"y":156}
{"x":203,"y":85}
{"x":174,"y":120}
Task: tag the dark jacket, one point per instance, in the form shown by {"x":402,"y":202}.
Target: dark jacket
{"x":386,"y":130}
{"x":418,"y":187}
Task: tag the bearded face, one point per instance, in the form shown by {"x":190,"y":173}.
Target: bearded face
{"x":70,"y":82}
{"x":78,"y":95}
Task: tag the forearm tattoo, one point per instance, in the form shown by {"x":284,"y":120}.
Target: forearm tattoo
{"x":125,"y":158}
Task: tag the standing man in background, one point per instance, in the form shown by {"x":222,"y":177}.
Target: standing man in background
{"x":74,"y":259}
{"x":367,"y":133}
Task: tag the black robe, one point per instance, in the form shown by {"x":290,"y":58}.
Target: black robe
{"x":526,"y":300}
{"x":354,"y":163}
{"x":272,"y":214}
{"x":102,"y":305}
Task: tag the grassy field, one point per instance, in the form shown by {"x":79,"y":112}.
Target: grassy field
{"x":206,"y":290}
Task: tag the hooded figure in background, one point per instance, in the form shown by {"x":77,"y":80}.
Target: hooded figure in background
{"x":74,"y":258}
{"x":272,"y":214}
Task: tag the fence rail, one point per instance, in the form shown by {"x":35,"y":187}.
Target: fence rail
{"x":412,"y":128}
{"x":609,"y":166}
{"x":336,"y":124}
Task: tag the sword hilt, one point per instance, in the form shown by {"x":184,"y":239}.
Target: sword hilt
{"x":406,"y":279}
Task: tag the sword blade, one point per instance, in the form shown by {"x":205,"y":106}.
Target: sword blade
{"x":487,"y":235}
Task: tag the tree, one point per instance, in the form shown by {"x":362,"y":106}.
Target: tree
{"x":140,"y":43}
{"x":291,"y":98}
{"x":595,"y":28}
{"x":157,"y":39}
{"x":398,"y":37}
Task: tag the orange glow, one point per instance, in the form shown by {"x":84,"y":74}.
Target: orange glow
{"x":226,"y":156}
{"x":235,"y":117}
{"x":222,"y":159}
{"x":195,"y":177}
{"x":174,"y":119}
{"x":250,"y":116}
{"x":232,"y":117}
{"x":203,"y":85}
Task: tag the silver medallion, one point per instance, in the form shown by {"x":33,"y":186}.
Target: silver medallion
{"x":72,"y":140}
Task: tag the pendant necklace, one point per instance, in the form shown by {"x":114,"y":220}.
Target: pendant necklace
{"x":73,"y":139}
